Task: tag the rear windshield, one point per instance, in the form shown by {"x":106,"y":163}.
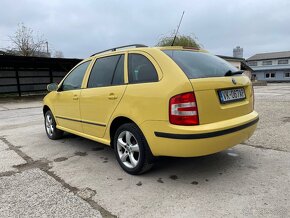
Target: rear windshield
{"x":200,"y":65}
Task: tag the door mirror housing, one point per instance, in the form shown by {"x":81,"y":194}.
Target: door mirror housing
{"x":52,"y":87}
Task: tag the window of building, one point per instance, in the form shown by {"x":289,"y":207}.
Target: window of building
{"x":253,"y":63}
{"x":141,"y":69}
{"x":267,"y":63}
{"x":75,"y":78}
{"x":287,"y":75}
{"x":103,"y":71}
{"x":270,"y":75}
{"x":282,"y":61}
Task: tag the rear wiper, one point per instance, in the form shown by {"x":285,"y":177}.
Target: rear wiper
{"x":230,"y":73}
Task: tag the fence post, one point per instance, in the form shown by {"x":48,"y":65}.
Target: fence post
{"x":50,"y":75}
{"x":18,"y":82}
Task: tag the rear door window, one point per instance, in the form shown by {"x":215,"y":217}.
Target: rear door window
{"x":118,"y":78}
{"x":200,"y":65}
{"x":107,"y":71}
{"x":141,"y":70}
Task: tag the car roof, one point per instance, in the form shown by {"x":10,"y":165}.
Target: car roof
{"x":143,"y":48}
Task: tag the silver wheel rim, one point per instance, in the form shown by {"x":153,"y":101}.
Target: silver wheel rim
{"x":128,"y":149}
{"x":49,"y":125}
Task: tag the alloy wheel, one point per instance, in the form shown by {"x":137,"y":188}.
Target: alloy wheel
{"x":128,"y":149}
{"x":49,"y":125}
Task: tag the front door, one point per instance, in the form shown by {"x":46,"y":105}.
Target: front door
{"x":104,"y":91}
{"x":67,"y":99}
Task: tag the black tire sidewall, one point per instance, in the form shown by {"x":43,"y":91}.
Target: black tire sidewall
{"x":141,"y":142}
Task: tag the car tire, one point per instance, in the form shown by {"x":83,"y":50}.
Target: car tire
{"x":132,"y":150}
{"x":50,"y":127}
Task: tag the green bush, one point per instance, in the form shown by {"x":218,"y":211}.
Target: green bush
{"x":181,"y":40}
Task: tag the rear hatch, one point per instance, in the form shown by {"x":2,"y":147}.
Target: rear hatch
{"x":222,"y":92}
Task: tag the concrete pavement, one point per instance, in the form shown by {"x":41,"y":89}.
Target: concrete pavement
{"x":75,"y":177}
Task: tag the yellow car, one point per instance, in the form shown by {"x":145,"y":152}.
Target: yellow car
{"x":147,"y":102}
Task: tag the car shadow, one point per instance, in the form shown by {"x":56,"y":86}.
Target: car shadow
{"x":209,"y":163}
{"x":207,"y":167}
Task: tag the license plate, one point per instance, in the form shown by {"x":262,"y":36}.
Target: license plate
{"x":230,"y":95}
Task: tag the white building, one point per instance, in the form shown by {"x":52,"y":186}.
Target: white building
{"x":239,"y":63}
{"x":271,"y":67}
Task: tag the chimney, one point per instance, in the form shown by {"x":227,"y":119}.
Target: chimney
{"x":238,"y":52}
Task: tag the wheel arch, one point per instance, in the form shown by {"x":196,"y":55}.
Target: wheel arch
{"x":45,"y":109}
{"x":116,"y":123}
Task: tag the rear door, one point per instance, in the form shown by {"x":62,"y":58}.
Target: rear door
{"x":105,"y":88}
{"x":220,"y":94}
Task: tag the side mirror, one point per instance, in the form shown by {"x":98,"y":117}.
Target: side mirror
{"x":52,"y":87}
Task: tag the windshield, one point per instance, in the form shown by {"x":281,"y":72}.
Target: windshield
{"x":200,"y":65}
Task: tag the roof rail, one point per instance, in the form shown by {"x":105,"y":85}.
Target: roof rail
{"x":124,"y":46}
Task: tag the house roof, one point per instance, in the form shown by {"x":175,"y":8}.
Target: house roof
{"x":270,"y":55}
{"x":244,"y":65}
{"x":230,"y":58}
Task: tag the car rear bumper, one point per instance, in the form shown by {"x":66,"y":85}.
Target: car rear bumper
{"x":166,"y":139}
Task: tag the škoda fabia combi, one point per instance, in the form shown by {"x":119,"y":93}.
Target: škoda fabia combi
{"x":147,"y":102}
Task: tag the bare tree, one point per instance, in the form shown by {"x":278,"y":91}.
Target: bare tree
{"x":26,"y":43}
{"x":58,"y":54}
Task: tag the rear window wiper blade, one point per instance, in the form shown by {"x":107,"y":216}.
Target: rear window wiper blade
{"x":230,"y":73}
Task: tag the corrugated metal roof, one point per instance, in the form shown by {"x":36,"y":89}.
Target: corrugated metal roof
{"x":270,"y":55}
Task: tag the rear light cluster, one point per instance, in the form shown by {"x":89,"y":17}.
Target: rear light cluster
{"x":183,"y":109}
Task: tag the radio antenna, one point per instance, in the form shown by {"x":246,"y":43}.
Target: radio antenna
{"x":177,"y":28}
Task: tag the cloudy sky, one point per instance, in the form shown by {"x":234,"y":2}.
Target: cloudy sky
{"x":80,"y":28}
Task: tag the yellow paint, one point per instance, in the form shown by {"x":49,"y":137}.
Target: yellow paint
{"x":197,"y":147}
{"x":98,"y":108}
{"x":146,"y":104}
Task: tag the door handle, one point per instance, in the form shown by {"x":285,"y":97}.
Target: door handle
{"x":112,"y":96}
{"x":76,"y":97}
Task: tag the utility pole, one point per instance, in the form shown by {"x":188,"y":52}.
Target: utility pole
{"x":46,"y":46}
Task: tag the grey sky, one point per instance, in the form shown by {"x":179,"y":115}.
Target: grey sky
{"x":80,"y":28}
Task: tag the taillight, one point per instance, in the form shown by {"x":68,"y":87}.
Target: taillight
{"x":183,"y":109}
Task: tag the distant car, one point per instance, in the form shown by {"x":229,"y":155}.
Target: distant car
{"x":153,"y":101}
